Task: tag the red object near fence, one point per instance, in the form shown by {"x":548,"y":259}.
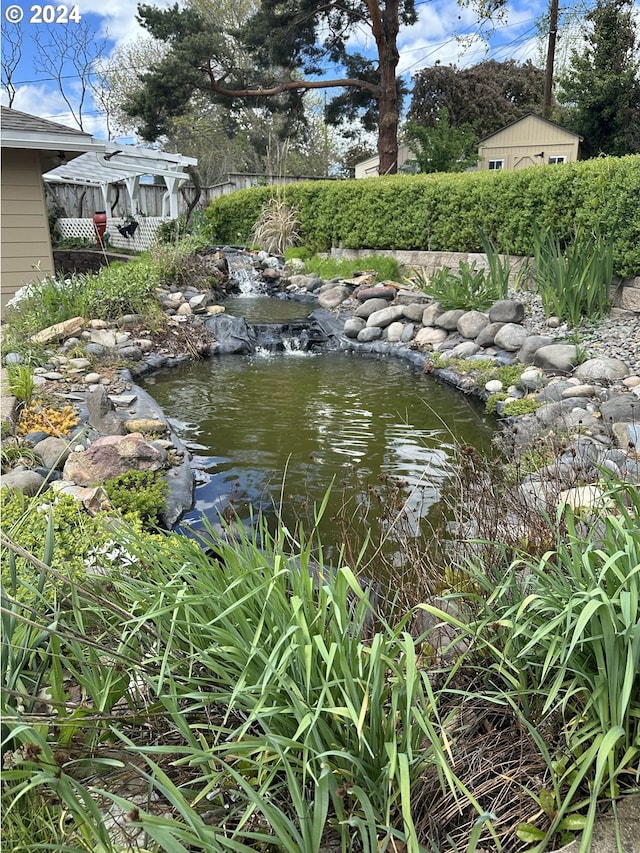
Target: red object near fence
{"x":100,"y":224}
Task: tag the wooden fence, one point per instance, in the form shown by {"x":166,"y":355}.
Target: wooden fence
{"x":79,"y":201}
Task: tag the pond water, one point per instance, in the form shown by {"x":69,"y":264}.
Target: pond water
{"x":263,"y":309}
{"x":278,"y":430}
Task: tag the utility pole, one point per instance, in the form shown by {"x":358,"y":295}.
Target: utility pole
{"x":551,"y":53}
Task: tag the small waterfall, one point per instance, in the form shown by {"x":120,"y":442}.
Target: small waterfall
{"x":243,"y":273}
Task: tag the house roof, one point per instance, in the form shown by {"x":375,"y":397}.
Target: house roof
{"x":22,"y":130}
{"x":530,"y":115}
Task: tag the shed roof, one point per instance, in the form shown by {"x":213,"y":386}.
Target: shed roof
{"x":526,"y":116}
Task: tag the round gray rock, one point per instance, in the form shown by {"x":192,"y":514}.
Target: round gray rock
{"x":602,"y":369}
{"x":472,"y":323}
{"x":511,"y":337}
{"x":556,"y":358}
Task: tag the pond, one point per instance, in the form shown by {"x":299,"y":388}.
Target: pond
{"x":277,"y":430}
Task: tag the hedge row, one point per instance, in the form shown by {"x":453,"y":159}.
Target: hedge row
{"x":451,"y":212}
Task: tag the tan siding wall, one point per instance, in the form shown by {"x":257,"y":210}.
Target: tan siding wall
{"x":520,"y":144}
{"x":25,"y":231}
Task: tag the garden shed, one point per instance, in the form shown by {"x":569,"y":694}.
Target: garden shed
{"x":529,"y":141}
{"x":31,"y":146}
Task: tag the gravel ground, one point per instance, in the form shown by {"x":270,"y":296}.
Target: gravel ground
{"x":617,"y":336}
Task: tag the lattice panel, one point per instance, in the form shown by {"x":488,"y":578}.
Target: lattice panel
{"x":142,"y":238}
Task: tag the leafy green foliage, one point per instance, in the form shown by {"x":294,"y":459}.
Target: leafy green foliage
{"x":453,"y":212}
{"x":468,"y":288}
{"x":486,"y":96}
{"x":142,"y":494}
{"x":574,"y":281}
{"x":123,"y":288}
{"x":517,"y":408}
{"x":441,"y":147}
{"x":601,"y":86}
{"x":26,"y":520}
{"x":52,"y":300}
{"x":21,"y":382}
{"x":327,"y":268}
{"x":563,"y":634}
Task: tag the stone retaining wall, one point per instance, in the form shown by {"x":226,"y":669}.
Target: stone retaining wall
{"x":67,"y":261}
{"x":625,"y":294}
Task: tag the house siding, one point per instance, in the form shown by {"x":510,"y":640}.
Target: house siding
{"x":520,"y":144}
{"x":25,"y":245}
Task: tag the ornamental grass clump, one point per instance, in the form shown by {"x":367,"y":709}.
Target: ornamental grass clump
{"x":560,"y":636}
{"x":574,"y":279}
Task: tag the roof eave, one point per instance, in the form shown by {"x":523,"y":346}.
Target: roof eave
{"x":11,"y":138}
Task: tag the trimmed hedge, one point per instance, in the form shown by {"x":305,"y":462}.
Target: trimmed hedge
{"x":451,"y":212}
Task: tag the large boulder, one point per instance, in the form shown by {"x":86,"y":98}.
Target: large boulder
{"x":556,"y":358}
{"x":111,"y":456}
{"x":511,"y":337}
{"x":602,"y":369}
{"x":370,"y":307}
{"x":334,"y":296}
{"x":472,"y":323}
{"x":386,"y":316}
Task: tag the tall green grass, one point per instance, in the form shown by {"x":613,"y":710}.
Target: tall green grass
{"x":387,"y":268}
{"x":574,"y":279}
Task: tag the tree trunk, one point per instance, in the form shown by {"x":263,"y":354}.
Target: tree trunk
{"x":386,"y":25}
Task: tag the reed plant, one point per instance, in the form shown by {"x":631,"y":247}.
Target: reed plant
{"x":574,"y":280}
{"x":561,"y":633}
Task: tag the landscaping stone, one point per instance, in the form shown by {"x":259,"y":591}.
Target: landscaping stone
{"x":556,"y":358}
{"x":53,"y":451}
{"x":472,"y":323}
{"x":353,"y":326}
{"x":448,"y":320}
{"x":487,"y":336}
{"x":385,"y":316}
{"x":511,"y":337}
{"x":27,"y":481}
{"x":370,"y":307}
{"x":111,"y":456}
{"x":602,"y":369}
{"x":506,"y":311}
{"x":102,"y":414}
{"x":431,"y":314}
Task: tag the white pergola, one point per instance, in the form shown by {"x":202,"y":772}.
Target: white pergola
{"x":126,"y":164}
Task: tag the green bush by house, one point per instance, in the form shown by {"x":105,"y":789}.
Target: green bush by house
{"x":452,"y":212}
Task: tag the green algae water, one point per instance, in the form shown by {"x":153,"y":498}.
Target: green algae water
{"x":272,"y":432}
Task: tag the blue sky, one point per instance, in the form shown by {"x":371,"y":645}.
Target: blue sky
{"x":445,"y":32}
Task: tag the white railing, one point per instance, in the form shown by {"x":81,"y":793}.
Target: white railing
{"x":142,"y":238}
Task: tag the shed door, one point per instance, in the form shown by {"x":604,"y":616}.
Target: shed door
{"x":524,"y":162}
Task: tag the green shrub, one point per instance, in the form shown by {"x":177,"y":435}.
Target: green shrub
{"x":123,"y":288}
{"x":142,"y":494}
{"x":517,"y":408}
{"x":43,"y":303}
{"x":445,"y":212}
{"x":26,"y":520}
